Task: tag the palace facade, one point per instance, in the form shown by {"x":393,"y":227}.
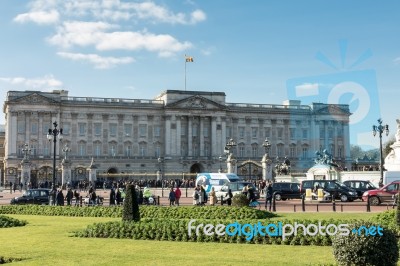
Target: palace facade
{"x":176,"y":133}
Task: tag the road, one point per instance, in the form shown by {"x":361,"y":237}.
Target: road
{"x":281,"y":206}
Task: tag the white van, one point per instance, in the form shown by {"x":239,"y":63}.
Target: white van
{"x":216,"y":180}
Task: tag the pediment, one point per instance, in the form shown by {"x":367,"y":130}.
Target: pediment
{"x":333,"y":110}
{"x":34,"y":98}
{"x":196,"y":102}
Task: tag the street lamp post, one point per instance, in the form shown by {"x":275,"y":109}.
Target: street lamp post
{"x":380,"y":129}
{"x":52,"y":136}
{"x":220,"y":163}
{"x":160,"y":160}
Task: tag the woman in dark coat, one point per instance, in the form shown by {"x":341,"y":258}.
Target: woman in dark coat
{"x":60,"y":198}
{"x":118,"y":197}
{"x":112,"y":196}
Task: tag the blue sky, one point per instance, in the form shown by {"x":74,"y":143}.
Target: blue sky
{"x":254,"y":51}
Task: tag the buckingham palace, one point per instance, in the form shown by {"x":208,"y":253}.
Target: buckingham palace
{"x":176,"y":133}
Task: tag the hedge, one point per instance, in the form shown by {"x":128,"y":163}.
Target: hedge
{"x":190,"y":212}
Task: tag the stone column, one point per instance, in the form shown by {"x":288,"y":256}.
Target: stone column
{"x":214,"y":147}
{"x":167,"y":135}
{"x":201,"y":136}
{"x":190,"y":137}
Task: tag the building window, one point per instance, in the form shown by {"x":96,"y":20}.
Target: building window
{"x":267,"y":132}
{"x":142,"y":149}
{"x":128,"y":130}
{"x":157,"y":131}
{"x":293,"y":151}
{"x":195,"y":150}
{"x":113,"y":130}
{"x":340,"y":151}
{"x":183,"y":149}
{"x":241,"y":132}
{"x":340,"y":132}
{"x":332,"y":150}
{"x":194,"y":130}
{"x":228,"y":132}
{"x":254,"y":132}
{"x":143,"y":130}
{"x":128,"y":150}
{"x":242,"y":151}
{"x":205,"y":132}
{"x":322,"y":133}
{"x":65,"y":128}
{"x":113,"y":150}
{"x":82,"y":149}
{"x":34,"y":128}
{"x":82,"y":129}
{"x":183,"y":130}
{"x":21,"y":126}
{"x":292,"y":133}
{"x":97,"y":129}
{"x":97,"y":150}
{"x":33,"y":148}
{"x":206,"y":149}
{"x":279,"y":132}
{"x":254,"y":150}
{"x":280,"y":150}
{"x":305,"y":152}
{"x":330,"y":133}
{"x":305,"y":134}
{"x":157,"y":151}
{"x":46,"y":148}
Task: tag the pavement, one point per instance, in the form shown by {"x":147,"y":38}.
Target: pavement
{"x":281,"y":206}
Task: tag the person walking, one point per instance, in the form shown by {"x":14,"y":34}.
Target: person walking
{"x":213,"y":197}
{"x":178,"y":194}
{"x":76,"y":196}
{"x":171,"y":197}
{"x":60,"y":197}
{"x":11,"y":187}
{"x":268,"y":196}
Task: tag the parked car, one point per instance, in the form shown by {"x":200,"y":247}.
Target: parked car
{"x":236,"y":188}
{"x":386,"y":193}
{"x":333,"y":187}
{"x":286,"y":190}
{"x":33,"y":196}
{"x":360,"y":186}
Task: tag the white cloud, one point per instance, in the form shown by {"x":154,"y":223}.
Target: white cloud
{"x":39,"y":17}
{"x":112,"y":10}
{"x":78,"y":33}
{"x":98,"y":61}
{"x":35,"y":83}
{"x":307,"y":89}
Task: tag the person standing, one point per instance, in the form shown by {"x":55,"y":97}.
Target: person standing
{"x":60,"y":197}
{"x":213,"y":197}
{"x":171,"y":197}
{"x":196,"y":196}
{"x":69,"y":196}
{"x":11,"y":187}
{"x":76,"y":196}
{"x":178,"y":194}
{"x":112,"y":197}
{"x":118,"y":197}
{"x":229,"y":197}
{"x":268,"y":197}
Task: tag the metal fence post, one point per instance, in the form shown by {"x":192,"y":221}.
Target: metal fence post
{"x":368,"y":204}
{"x":222,"y":200}
{"x":158,"y":200}
{"x":273,"y":203}
{"x":303,"y":205}
{"x":334,"y":205}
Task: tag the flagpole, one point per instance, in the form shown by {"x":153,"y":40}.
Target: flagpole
{"x":185,"y":71}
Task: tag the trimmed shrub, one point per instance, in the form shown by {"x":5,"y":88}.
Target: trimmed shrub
{"x":398,"y":209}
{"x":363,"y":249}
{"x":387,"y":219}
{"x":130,"y":210}
{"x":240,"y":200}
{"x":6,"y":222}
{"x":4,"y":260}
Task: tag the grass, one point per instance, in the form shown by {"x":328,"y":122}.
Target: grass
{"x":46,"y":240}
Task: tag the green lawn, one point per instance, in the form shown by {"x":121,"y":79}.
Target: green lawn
{"x":46,"y":240}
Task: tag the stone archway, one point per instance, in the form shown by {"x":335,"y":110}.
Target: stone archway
{"x":196,"y":168}
{"x":112,"y":170}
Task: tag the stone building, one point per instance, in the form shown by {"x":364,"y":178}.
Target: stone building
{"x":176,"y":133}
